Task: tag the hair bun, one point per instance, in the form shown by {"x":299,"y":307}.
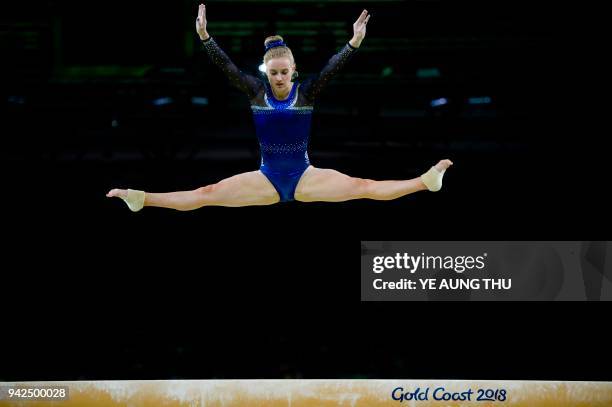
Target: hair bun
{"x":272,"y":38}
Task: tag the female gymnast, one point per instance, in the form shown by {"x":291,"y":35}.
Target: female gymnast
{"x":282,"y":110}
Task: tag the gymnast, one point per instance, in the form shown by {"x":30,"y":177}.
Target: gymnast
{"x":282,"y":111}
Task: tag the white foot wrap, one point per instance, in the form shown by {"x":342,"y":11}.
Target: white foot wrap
{"x":433,"y":179}
{"x":135,"y":200}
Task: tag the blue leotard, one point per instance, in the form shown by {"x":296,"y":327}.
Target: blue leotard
{"x":282,"y":126}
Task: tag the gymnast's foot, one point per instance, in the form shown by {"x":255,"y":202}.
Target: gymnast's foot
{"x":133,"y":198}
{"x":433,"y":178}
{"x":442,"y":165}
{"x":120,"y":193}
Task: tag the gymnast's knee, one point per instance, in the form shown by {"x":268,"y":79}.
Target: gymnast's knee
{"x":362,"y":188}
{"x":206,"y":190}
{"x":206,"y":195}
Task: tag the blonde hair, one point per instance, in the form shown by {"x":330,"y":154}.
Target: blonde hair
{"x":277,"y":52}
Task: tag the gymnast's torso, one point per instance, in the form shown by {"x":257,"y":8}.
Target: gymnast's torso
{"x":282,"y":126}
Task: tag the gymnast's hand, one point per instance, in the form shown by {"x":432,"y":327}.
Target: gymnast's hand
{"x":359,"y":29}
{"x":201,"y":23}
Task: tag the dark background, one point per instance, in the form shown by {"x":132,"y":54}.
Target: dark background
{"x":97,"y":96}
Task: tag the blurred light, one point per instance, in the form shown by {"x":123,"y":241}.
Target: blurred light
{"x":162,"y":101}
{"x":387,"y":71}
{"x":439,"y":102}
{"x":428,"y":73}
{"x":114,"y":123}
{"x":200,"y":101}
{"x":16,"y":100}
{"x":485,"y":100}
{"x":262,"y":68}
{"x":172,"y":70}
{"x":287,"y":11}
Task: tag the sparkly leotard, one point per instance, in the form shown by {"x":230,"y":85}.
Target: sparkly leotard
{"x":282,"y":126}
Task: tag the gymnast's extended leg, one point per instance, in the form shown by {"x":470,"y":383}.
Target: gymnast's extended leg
{"x":250,"y":188}
{"x":318,"y":184}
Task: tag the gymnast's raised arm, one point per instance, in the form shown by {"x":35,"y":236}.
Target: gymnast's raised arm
{"x":312,"y":87}
{"x":247,"y":83}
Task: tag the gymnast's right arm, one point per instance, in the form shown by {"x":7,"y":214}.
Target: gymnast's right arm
{"x":247,"y":83}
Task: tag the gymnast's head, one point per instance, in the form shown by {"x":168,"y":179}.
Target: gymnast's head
{"x":279,"y":63}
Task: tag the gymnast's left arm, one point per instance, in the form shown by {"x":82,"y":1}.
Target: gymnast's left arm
{"x":313,"y":87}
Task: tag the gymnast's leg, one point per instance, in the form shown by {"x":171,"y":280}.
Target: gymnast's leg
{"x":327,"y":185}
{"x":250,"y":188}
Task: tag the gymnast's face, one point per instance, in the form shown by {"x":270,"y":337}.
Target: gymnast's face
{"x":279,"y":72}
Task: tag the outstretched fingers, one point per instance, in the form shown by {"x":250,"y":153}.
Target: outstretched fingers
{"x":362,"y":17}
